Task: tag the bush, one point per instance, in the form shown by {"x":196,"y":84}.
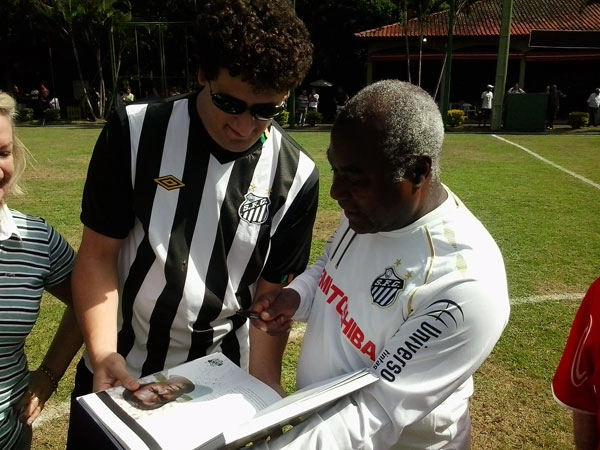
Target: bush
{"x":51,"y":115}
{"x":283,"y":118}
{"x":25,"y":115}
{"x":578,"y":119}
{"x":313,"y":118}
{"x":456,"y":117}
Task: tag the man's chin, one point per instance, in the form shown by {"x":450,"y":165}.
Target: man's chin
{"x":360,"y":226}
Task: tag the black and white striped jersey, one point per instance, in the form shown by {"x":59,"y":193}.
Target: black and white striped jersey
{"x":200,"y":226}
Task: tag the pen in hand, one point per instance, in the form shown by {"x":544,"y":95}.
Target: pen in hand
{"x":248,"y":314}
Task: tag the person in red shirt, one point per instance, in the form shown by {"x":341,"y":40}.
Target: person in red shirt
{"x":576,"y":383}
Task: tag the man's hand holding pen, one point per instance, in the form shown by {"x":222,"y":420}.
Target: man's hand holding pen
{"x":274,"y":311}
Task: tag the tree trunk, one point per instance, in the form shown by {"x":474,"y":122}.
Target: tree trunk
{"x":80,"y":73}
{"x":405,"y":25}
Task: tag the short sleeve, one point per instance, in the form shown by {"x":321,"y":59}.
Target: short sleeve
{"x":61,"y":256}
{"x":290,"y":245}
{"x":107,"y":203}
{"x":575,"y":382}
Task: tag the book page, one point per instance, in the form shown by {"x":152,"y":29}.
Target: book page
{"x":223,"y":396}
{"x":299,"y":405}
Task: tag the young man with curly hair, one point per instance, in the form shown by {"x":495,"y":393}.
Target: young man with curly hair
{"x":192,"y":206}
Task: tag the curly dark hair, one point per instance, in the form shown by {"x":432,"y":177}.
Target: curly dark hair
{"x":263,"y":41}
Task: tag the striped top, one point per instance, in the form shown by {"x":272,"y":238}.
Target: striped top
{"x":200,"y":226}
{"x":32,"y":256}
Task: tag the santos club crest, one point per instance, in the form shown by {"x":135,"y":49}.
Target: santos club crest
{"x":254,"y":209}
{"x":385,"y":287}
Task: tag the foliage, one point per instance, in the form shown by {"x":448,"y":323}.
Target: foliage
{"x":313,"y":118}
{"x":283,"y":118}
{"x":51,"y":115}
{"x":578,"y":119}
{"x":25,"y":115}
{"x":456,"y":117}
{"x":88,"y":24}
{"x":332,"y":24}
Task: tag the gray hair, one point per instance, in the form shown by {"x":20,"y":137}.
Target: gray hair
{"x":8,"y":109}
{"x":403,"y":120}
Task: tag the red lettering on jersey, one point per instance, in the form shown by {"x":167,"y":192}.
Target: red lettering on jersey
{"x":336,"y":292}
{"x":357,"y":337}
{"x":350,"y":329}
{"x":348,"y":326}
{"x":369,"y":350}
{"x":325,"y":282}
{"x":342,"y":306}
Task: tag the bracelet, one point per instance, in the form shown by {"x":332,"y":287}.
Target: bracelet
{"x":46,"y":371}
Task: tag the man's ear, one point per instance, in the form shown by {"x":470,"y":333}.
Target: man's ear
{"x":201,"y":77}
{"x":420,"y":170}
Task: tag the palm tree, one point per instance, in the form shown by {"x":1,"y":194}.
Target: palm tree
{"x":423,"y":9}
{"x":456,"y":7}
{"x":88,"y":21}
{"x":404,"y":16}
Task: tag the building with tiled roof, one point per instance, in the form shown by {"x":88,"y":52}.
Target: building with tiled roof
{"x":551,"y":42}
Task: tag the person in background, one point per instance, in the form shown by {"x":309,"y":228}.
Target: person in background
{"x":593,"y":103}
{"x":128,"y":96}
{"x":341,"y":98}
{"x":553,"y":105}
{"x":487,"y":100}
{"x":209,"y":202}
{"x":313,"y":100}
{"x":18,"y":95}
{"x":577,"y":377}
{"x":516,"y":89}
{"x":301,"y":107}
{"x":411,"y":285}
{"x":33,"y":258}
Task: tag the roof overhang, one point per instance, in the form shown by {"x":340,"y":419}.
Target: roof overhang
{"x":482,"y":56}
{"x":573,"y":39}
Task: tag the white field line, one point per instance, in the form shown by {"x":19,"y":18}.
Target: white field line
{"x":541,"y":158}
{"x":546,"y":298}
{"x":62,"y":409}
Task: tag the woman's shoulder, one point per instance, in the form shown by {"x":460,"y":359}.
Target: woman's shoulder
{"x":29,"y":224}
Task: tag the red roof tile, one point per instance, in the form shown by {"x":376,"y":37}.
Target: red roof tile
{"x":483,"y":19}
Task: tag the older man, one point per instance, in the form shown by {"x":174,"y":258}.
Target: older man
{"x":411,"y":285}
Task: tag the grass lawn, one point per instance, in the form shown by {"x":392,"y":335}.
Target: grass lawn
{"x":544,"y":219}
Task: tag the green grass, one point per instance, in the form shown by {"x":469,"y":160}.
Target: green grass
{"x":544,"y":220}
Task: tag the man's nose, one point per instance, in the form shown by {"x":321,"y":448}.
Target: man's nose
{"x":338,"y":188}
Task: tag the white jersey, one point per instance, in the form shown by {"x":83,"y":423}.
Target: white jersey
{"x":423,"y":306}
{"x":487,"y":98}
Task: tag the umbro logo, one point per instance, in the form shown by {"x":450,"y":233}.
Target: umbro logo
{"x":169,"y":182}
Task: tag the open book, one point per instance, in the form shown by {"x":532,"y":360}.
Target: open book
{"x":209,"y":403}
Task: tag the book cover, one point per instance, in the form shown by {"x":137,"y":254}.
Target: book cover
{"x":209,"y":403}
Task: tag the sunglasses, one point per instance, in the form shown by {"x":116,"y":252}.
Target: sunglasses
{"x":232,"y":105}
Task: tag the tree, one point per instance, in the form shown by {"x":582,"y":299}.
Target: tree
{"x":332,"y":25}
{"x":455,"y":7}
{"x":86,"y":22}
{"x":20,"y":38}
{"x":423,"y":9}
{"x":404,"y":17}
